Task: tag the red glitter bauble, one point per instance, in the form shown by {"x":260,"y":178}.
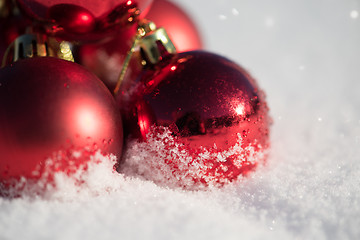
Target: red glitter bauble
{"x":179,"y":26}
{"x":203,"y":115}
{"x":84,"y":20}
{"x":53,"y":109}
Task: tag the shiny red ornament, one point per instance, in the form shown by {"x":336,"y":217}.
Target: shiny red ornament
{"x":209,"y":112}
{"x":53,"y":109}
{"x":89,"y":20}
{"x":178,"y":24}
{"x":73,"y":18}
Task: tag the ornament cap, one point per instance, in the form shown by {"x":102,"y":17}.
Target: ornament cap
{"x":36,"y":45}
{"x":31,"y":45}
{"x":155,"y":45}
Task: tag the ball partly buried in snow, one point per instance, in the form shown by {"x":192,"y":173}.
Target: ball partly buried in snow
{"x":202,"y":117}
{"x":53,"y":109}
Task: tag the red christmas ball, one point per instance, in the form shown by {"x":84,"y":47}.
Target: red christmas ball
{"x":90,"y":20}
{"x":106,"y":58}
{"x":203,"y":116}
{"x":53,"y":109}
{"x":179,"y":26}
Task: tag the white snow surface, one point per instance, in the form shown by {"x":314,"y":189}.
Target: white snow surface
{"x":306,"y":57}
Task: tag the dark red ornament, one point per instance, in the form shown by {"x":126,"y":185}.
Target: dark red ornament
{"x":106,"y":58}
{"x":178,"y":24}
{"x":53,"y":109}
{"x":208,"y":112}
{"x":86,"y":21}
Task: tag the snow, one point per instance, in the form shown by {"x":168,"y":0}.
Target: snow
{"x":174,"y":164}
{"x":305,"y":56}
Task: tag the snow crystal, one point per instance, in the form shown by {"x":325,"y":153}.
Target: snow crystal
{"x":171,"y":163}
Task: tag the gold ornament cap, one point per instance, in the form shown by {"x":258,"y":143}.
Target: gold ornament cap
{"x":36,"y":45}
{"x":154,"y":43}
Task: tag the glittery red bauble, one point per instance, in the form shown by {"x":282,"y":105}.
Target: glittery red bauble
{"x":84,"y":20}
{"x":208,"y":112}
{"x":179,"y":26}
{"x":51,"y":108}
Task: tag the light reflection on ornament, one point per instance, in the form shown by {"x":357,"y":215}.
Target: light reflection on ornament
{"x":85,"y":17}
{"x":240,"y":109}
{"x":87,"y":122}
{"x":144,"y":124}
{"x":145,"y":119}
